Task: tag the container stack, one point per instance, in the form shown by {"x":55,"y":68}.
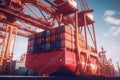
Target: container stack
{"x":50,"y":40}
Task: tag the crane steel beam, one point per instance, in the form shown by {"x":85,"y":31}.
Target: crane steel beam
{"x":20,"y":27}
{"x":18,"y":33}
{"x":53,"y":5}
{"x":26,"y":18}
{"x":24,"y":29}
{"x":41,"y":5}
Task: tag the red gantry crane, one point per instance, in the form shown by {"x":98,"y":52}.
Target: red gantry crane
{"x":23,"y":17}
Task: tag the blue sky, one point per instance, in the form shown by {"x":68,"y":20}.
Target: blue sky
{"x":107,"y":25}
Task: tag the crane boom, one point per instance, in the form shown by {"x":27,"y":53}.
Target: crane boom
{"x":26,"y":18}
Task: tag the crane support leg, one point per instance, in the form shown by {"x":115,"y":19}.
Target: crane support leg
{"x":6,"y":49}
{"x":78,"y":71}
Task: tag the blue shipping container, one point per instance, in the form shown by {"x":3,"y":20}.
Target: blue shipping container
{"x":48,"y":32}
{"x":58,"y":44}
{"x":41,"y":48}
{"x":58,"y":37}
{"x":43,"y":40}
{"x":52,"y":45}
{"x":47,"y":46}
{"x":62,"y":29}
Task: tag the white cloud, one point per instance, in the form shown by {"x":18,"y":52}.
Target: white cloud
{"x":112,"y":20}
{"x":113,"y":31}
{"x":109,"y":18}
{"x":109,"y":13}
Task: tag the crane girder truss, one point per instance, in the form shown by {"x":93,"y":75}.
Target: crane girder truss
{"x":47,"y":18}
{"x":49,"y":15}
{"x":40,"y":22}
{"x":7,"y":12}
{"x":41,"y":5}
{"x":26,"y":18}
{"x":2,"y":28}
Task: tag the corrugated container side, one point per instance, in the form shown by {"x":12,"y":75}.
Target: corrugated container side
{"x":31,"y":37}
{"x":58,"y":44}
{"x":41,"y":48}
{"x":52,"y":38}
{"x":48,"y":32}
{"x":66,"y":36}
{"x":57,"y":30}
{"x":52,"y":45}
{"x":39,"y":34}
{"x":72,"y":45}
{"x":43,"y":40}
{"x":73,"y":38}
{"x":43,"y":34}
{"x":48,"y":39}
{"x":39,"y":41}
{"x":65,"y":29}
{"x":31,"y":43}
{"x":47,"y":46}
{"x":72,"y":32}
{"x":58,"y":37}
{"x":66,"y":44}
{"x":35,"y":46}
{"x":53,"y":31}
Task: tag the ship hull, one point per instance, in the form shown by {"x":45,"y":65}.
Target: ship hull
{"x":47,"y":63}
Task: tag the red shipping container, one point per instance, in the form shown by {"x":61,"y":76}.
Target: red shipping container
{"x":57,"y":30}
{"x":39,"y":41}
{"x":30,"y":43}
{"x":72,"y":38}
{"x":72,"y":32}
{"x":72,"y":45}
{"x":48,"y":39}
{"x":66,"y":36}
{"x":52,"y":38}
{"x":68,"y":30}
{"x":66,"y":44}
{"x":33,"y":36}
{"x":53,"y":31}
